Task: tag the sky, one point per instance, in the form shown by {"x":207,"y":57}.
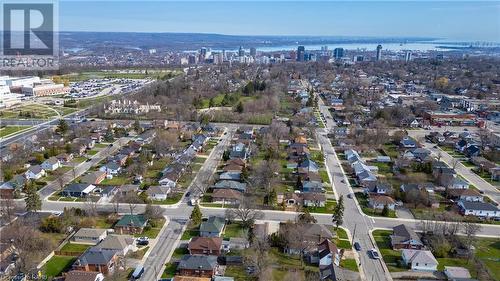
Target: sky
{"x":451,"y":20}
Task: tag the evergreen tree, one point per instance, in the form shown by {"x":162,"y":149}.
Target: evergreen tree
{"x":62,"y":127}
{"x":32,"y":200}
{"x":109,"y":137}
{"x":385,"y":211}
{"x":239,"y":107}
{"x":196,"y":215}
{"x":137,"y":126}
{"x":338,"y":212}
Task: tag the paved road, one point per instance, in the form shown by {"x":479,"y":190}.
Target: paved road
{"x":488,"y":189}
{"x":355,"y":221}
{"x":165,"y":244}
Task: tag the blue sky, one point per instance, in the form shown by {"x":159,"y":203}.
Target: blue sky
{"x":454,"y":20}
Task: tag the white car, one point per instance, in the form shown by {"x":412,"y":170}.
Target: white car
{"x":374,"y":254}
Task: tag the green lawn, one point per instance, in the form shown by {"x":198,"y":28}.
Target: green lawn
{"x":190,"y":233}
{"x":328,"y":209}
{"x":390,"y":256}
{"x":488,"y":251}
{"x":180,"y":252}
{"x":92,"y":152}
{"x":170,"y":270}
{"x":234,"y":230}
{"x":324,"y":176}
{"x":238,"y":273}
{"x":343,"y":244}
{"x":341,"y":233}
{"x":172,"y":199}
{"x":117,"y":180}
{"x":153,"y":231}
{"x":7,"y":130}
{"x":363,"y":202}
{"x":350,"y":264}
{"x":58,"y":264}
{"x":74,"y":247}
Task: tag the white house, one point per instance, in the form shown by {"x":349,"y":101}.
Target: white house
{"x":35,"y":172}
{"x":478,"y":209}
{"x":328,"y":253}
{"x":110,"y":168}
{"x":419,"y":260}
{"x":51,"y":164}
{"x":157,"y":192}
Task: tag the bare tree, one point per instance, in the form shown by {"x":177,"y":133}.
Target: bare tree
{"x":91,"y":206}
{"x":8,"y":207}
{"x":470,"y":230}
{"x":454,"y":163}
{"x":132,"y":199}
{"x":257,"y":256}
{"x":245,"y":212}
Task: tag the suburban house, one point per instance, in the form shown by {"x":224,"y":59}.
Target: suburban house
{"x":408,"y":142}
{"x":469,"y":194}
{"x":478,"y":209}
{"x":312,"y":186}
{"x":213,"y":227}
{"x":79,"y":275}
{"x":328,"y":253}
{"x":308,"y":165}
{"x":121,"y":244}
{"x":158,"y":193}
{"x":419,"y":260}
{"x":405,"y":238}
{"x":226,"y":196}
{"x":238,"y":150}
{"x":456,"y":273}
{"x":380,"y":201}
{"x":231,"y":176}
{"x":51,"y":164}
{"x":314,"y":233}
{"x":110,"y":168}
{"x":35,"y":172}
{"x":131,"y":224}
{"x":89,"y":236}
{"x":198,"y":265}
{"x":205,"y":246}
{"x":313,"y":199}
{"x":228,"y":184}
{"x":380,"y":188}
{"x":96,"y":260}
{"x":95,"y":177}
{"x":81,"y":190}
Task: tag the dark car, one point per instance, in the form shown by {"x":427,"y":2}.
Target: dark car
{"x":110,"y":145}
{"x":357,"y":246}
{"x":88,"y":160}
{"x":188,"y":193}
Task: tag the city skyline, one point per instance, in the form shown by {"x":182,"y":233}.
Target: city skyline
{"x":461,"y":21}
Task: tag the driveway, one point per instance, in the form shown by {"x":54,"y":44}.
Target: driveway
{"x":404,"y":213}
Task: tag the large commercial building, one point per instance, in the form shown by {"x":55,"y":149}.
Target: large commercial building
{"x":379,"y":52}
{"x":338,"y":53}
{"x":44,"y":90}
{"x":301,"y":51}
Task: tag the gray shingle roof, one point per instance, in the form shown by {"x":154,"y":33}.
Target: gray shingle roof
{"x":198,"y":262}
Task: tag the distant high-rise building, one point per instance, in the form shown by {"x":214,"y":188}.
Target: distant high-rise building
{"x":203,"y":53}
{"x":379,"y":52}
{"x":241,"y":52}
{"x":253,"y":52}
{"x":218,"y":58}
{"x":301,"y":51}
{"x":408,"y":56}
{"x":324,"y":48}
{"x":192,"y":59}
{"x":359,"y":58}
{"x":338,"y":53}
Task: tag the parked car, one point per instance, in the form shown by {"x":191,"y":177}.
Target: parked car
{"x":374,"y":254}
{"x":142,"y":241}
{"x":138,"y":272}
{"x":357,"y":246}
